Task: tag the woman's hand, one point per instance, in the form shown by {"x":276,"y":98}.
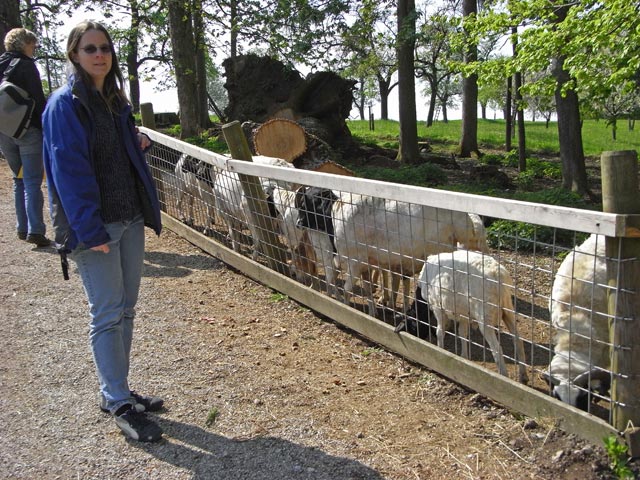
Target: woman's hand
{"x":144,"y":141}
{"x":104,"y":248}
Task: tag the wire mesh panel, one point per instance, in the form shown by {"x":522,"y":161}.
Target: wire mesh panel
{"x":524,"y":298}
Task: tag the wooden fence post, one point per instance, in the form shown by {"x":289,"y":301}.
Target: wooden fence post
{"x":620,"y":195}
{"x":259,"y":210}
{"x":147,"y":116}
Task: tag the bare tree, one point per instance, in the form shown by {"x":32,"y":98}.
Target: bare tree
{"x":9,"y":18}
{"x":469,"y":137}
{"x":408,"y":148}
{"x":182,"y":43}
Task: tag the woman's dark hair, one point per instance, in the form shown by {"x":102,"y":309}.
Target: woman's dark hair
{"x":113,"y":89}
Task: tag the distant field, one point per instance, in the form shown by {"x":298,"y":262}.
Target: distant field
{"x":596,"y":135}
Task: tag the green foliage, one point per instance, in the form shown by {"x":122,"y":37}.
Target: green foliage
{"x":537,"y":169}
{"x":525,"y":180}
{"x":618,"y":456}
{"x":278,"y":297}
{"x":424,"y":175}
{"x":212,"y":416}
{"x":173,"y":131}
{"x":211,"y":143}
{"x":596,"y":39}
{"x":544,"y":169}
{"x":552,"y":196}
{"x":526,"y":237}
{"x":492,"y":159}
{"x":511,"y":159}
{"x":368,"y":351}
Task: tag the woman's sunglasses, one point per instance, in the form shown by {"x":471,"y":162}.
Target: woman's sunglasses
{"x":91,"y":49}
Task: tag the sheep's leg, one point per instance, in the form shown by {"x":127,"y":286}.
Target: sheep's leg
{"x":379,"y":277}
{"x":464,"y":326}
{"x":406,"y":288}
{"x":330,"y":272}
{"x":191,"y":220}
{"x":349,"y":280}
{"x":179,"y":205}
{"x":443,"y":321}
{"x":489,"y":334}
{"x":234,"y":236}
{"x":509,"y":319}
{"x":393,"y":292}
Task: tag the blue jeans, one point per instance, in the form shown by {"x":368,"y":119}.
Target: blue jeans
{"x":111,"y":282}
{"x":26,"y":152}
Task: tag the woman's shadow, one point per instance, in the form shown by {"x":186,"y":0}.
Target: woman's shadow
{"x":162,"y":264}
{"x":214,"y":457}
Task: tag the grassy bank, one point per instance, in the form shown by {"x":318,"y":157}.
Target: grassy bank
{"x":596,"y":135}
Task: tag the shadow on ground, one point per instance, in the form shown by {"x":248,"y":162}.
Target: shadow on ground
{"x":214,"y":457}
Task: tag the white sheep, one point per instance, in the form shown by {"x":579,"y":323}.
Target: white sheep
{"x":303,"y":260}
{"x":471,"y":288}
{"x":578,"y":307}
{"x":395,"y":236}
{"x":194,"y":180}
{"x":361,"y":234}
{"x":233,"y":206}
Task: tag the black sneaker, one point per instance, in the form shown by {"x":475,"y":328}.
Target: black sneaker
{"x":136,"y":425}
{"x":38,"y":239}
{"x":22,"y":235}
{"x":144,"y":403}
{"x":150,"y":403}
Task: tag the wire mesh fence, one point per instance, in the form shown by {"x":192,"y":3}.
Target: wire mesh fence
{"x":513,"y":292}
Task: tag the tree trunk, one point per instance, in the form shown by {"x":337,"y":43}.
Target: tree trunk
{"x":574,"y":172}
{"x":182,"y":42}
{"x":384,"y":90}
{"x":469,"y":136}
{"x":508,"y":124}
{"x":132,"y":57}
{"x":9,"y":18}
{"x":408,"y":148}
{"x":522,"y":144}
{"x":202,"y":106}
{"x":614,"y":128}
{"x":433,"y":101}
{"x":233,"y":21}
{"x":517,"y":80}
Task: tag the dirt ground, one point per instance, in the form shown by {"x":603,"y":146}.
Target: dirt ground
{"x":256,"y":387}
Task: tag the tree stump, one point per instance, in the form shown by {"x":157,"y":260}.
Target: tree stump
{"x":280,"y":138}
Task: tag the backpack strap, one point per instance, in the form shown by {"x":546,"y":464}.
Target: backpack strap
{"x":9,"y":69}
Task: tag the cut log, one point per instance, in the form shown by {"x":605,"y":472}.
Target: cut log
{"x":335,"y":168}
{"x":280,"y":138}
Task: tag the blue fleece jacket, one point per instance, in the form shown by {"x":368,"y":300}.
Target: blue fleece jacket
{"x":74,"y":196}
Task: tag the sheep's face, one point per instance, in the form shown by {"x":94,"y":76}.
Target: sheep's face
{"x":206,"y":173}
{"x":572,"y":395}
{"x":418,"y":319}
{"x":314,"y":205}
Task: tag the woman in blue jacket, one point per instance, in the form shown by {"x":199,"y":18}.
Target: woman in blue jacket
{"x":101,"y":196}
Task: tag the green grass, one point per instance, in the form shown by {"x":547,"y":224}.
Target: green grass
{"x":596,"y":136}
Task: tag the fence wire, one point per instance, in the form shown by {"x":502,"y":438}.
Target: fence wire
{"x":529,"y":306}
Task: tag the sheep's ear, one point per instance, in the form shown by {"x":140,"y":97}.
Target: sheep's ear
{"x":551,"y":381}
{"x":299,"y":196}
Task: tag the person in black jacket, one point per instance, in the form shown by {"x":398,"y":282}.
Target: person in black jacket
{"x":25,"y":154}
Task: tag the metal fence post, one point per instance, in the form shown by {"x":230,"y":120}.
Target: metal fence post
{"x":620,"y":195}
{"x":259,"y":210}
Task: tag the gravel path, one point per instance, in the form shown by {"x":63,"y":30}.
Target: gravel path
{"x":256,"y":387}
